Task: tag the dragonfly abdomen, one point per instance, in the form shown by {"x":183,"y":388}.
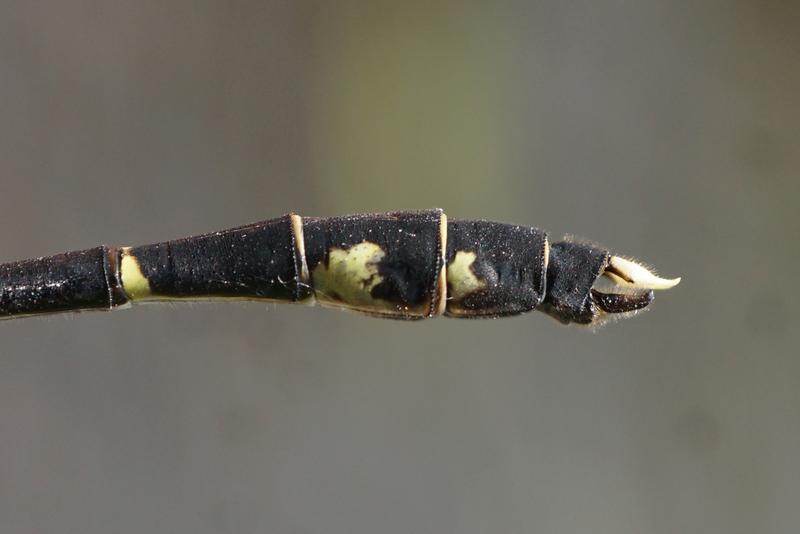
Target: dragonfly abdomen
{"x":402,"y":265}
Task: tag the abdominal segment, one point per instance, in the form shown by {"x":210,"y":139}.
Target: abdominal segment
{"x":494,"y":269}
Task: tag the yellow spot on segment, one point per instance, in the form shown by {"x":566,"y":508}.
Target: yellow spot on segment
{"x":460,"y":278}
{"x":350,"y":276}
{"x":134,"y":282}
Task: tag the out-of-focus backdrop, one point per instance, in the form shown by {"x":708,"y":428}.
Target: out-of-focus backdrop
{"x":667,"y":131}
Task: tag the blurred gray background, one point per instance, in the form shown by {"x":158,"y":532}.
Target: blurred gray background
{"x":667,"y":131}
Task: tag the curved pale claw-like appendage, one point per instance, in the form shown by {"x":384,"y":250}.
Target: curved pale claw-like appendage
{"x":575,"y":294}
{"x":629,"y":275}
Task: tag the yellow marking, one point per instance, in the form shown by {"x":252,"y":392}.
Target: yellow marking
{"x":134,"y":283}
{"x":350,"y":276}
{"x":460,"y":278}
{"x":440,"y":306}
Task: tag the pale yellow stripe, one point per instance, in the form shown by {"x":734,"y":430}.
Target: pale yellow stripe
{"x":300,"y":250}
{"x":441,"y":305}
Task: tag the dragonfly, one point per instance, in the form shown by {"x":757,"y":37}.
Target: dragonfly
{"x":399,"y":265}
